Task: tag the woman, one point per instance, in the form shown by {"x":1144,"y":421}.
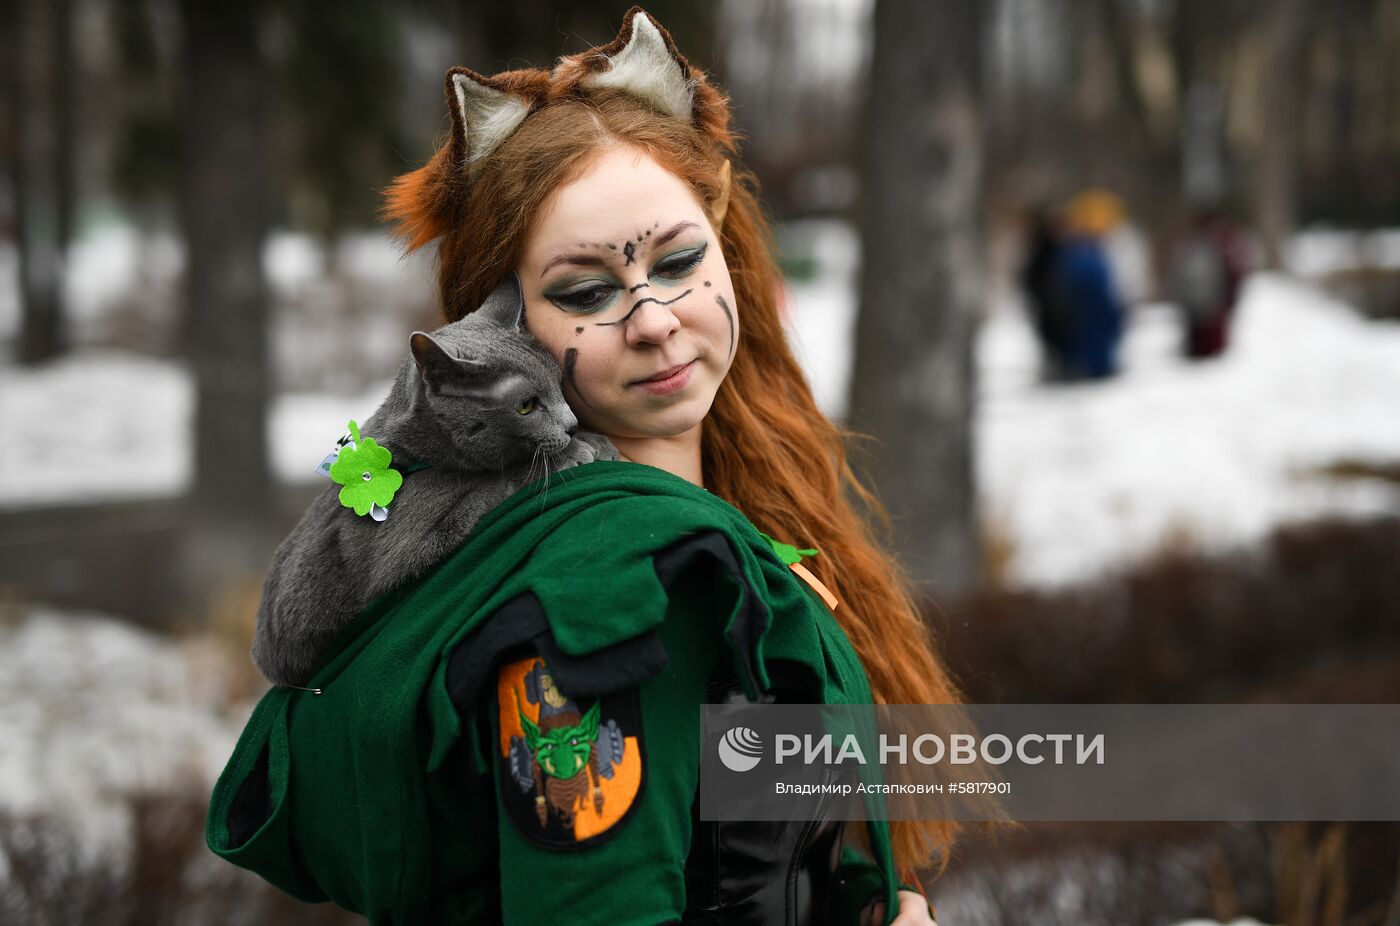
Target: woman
{"x":609,"y":186}
{"x":641,"y":248}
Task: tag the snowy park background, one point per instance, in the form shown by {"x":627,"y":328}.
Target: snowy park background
{"x":1183,"y":531}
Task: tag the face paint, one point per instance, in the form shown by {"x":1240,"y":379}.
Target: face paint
{"x":729,"y":315}
{"x":628,"y":251}
{"x":570,"y":361}
{"x":639,"y":302}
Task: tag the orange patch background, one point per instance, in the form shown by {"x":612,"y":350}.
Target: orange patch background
{"x":618,"y":792}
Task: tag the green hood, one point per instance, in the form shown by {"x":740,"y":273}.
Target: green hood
{"x":344,"y":795}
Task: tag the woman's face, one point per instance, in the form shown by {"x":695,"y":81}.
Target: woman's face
{"x":625,"y":279}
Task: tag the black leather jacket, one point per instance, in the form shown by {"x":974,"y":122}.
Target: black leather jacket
{"x":757,"y":872}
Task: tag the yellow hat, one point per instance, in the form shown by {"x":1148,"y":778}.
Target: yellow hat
{"x":1094,"y":212}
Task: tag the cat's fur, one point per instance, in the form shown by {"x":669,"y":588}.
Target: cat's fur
{"x":454,"y":407}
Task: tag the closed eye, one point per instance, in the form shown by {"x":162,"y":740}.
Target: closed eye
{"x":589,"y":298}
{"x":597,"y":295}
{"x":681,"y":264}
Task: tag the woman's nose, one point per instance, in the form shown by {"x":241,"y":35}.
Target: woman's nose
{"x":651,"y":323}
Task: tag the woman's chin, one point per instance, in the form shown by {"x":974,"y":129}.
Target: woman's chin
{"x":660,"y":423}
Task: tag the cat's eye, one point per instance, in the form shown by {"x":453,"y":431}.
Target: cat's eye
{"x":528,"y":405}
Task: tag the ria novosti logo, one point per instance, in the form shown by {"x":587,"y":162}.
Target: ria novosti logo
{"x":740,"y":749}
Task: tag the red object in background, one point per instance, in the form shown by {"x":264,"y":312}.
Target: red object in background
{"x":1210,"y":337}
{"x":1207,"y":270}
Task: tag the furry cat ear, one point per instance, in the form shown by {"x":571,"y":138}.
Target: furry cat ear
{"x":647,"y":66}
{"x":436,"y":363}
{"x":505,"y":306}
{"x":428,"y":354}
{"x":482,"y":116}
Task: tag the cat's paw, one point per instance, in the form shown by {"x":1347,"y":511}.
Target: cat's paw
{"x":586,"y":447}
{"x":594,"y":447}
{"x":576,"y":453}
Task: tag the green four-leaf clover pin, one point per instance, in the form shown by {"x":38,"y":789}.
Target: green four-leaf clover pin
{"x":362,"y":469}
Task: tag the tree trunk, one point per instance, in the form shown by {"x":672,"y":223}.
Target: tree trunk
{"x":226,"y":303}
{"x":912,"y":385}
{"x":43,"y":194}
{"x":1278,"y":163}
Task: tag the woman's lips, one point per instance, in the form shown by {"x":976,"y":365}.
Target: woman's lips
{"x":670,"y":383}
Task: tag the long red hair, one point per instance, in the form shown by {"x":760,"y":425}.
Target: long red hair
{"x":767,"y":449}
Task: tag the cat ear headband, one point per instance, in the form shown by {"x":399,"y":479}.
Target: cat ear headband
{"x":642,"y":61}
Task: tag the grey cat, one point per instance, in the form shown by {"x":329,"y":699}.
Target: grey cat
{"x":479,"y":401}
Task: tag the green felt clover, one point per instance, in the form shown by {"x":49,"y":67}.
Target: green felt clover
{"x":788,"y":553}
{"x":363,"y":469}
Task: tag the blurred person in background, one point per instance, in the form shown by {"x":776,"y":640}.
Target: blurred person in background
{"x":1208,"y":263}
{"x":1047,"y":309}
{"x":1083,"y":282}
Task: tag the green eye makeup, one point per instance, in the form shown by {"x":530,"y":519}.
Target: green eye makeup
{"x":681,"y":264}
{"x":587,"y":299}
{"x":595,"y":295}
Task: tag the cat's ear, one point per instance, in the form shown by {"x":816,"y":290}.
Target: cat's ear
{"x":505,"y":307}
{"x":428,"y":354}
{"x":483,"y":116}
{"x":643,"y":61}
{"x":435,"y":363}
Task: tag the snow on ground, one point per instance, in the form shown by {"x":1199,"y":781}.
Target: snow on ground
{"x":1087,"y":475}
{"x":1074,"y":478}
{"x":1317,"y":252}
{"x":91,"y":709}
{"x":107,"y":424}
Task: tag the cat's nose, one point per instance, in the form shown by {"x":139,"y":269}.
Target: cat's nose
{"x":571,"y":430}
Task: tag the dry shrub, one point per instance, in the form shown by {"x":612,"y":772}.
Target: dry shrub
{"x":1310,"y":616}
{"x":1373,"y":290}
{"x":1358,"y":469}
{"x":1104,"y":873}
{"x":1292,"y":874}
{"x":48,"y":881}
{"x":1186,"y":626}
{"x":165,"y":876}
{"x":998,"y":550}
{"x":217,"y":645}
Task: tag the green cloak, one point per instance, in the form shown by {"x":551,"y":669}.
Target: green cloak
{"x":363,"y":794}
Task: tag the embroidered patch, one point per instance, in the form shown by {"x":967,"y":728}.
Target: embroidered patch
{"x":571,"y":771}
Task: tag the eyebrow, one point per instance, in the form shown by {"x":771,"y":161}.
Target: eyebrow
{"x":589,"y":260}
{"x":672,"y":232}
{"x":579,"y":260}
